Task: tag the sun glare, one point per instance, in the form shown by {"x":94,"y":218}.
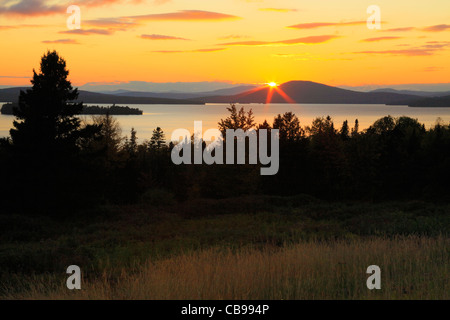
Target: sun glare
{"x":272,"y":84}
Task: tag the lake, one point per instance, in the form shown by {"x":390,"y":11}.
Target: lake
{"x":171,"y":117}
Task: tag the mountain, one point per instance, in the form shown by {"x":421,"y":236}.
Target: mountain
{"x":293,"y":92}
{"x":416,"y":93}
{"x":183,"y":95}
{"x":12,"y":95}
{"x":160,"y":87}
{"x":311,"y":92}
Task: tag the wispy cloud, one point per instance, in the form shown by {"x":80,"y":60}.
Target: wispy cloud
{"x":160,"y":37}
{"x":30,"y":8}
{"x":428,"y":49}
{"x":315,"y":25}
{"x":437,"y":28}
{"x":191,"y":51}
{"x":14,"y":77}
{"x":185,"y":15}
{"x":114,"y":23}
{"x":304,"y":40}
{"x":435,"y":45}
{"x":432,"y":69}
{"x":127,"y":22}
{"x":62,"y":41}
{"x":305,"y":56}
{"x":406,"y":52}
{"x":86,"y":32}
{"x":49,"y":7}
{"x":405,"y":29}
{"x":380,"y":39}
{"x":20,"y":26}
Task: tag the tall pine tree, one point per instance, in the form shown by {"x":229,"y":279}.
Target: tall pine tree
{"x":46,"y":121}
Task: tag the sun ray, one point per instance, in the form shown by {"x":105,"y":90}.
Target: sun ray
{"x":284,"y":95}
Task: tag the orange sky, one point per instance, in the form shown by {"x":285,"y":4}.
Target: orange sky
{"x":238,"y":41}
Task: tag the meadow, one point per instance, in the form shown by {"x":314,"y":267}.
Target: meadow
{"x":256,"y":247}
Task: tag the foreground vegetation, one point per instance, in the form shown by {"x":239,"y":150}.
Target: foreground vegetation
{"x":413,"y":268}
{"x":245,"y":248}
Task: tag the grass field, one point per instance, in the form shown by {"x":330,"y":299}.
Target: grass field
{"x":251,"y":248}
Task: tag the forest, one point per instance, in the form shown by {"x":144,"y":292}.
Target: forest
{"x":54,"y":163}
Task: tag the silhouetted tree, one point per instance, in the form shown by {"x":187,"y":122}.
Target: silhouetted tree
{"x":289,"y":126}
{"x":158,"y":139}
{"x":355,"y":129}
{"x":110,"y":139}
{"x":264,"y":125}
{"x":345,"y":131}
{"x":237,"y":120}
{"x":46,"y":122}
{"x":46,"y":141}
{"x":131,"y":145}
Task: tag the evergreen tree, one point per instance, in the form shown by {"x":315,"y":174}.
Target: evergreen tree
{"x":131,"y":145}
{"x":355,"y":130}
{"x":46,"y":121}
{"x":289,"y":126}
{"x":49,"y":172}
{"x":345,"y":131}
{"x":158,"y":139}
{"x":237,"y":120}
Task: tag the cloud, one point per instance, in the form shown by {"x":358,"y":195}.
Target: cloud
{"x":304,"y":40}
{"x":160,"y":37}
{"x":380,"y":39}
{"x":116,"y":23}
{"x":30,"y":8}
{"x":185,"y":15}
{"x":284,"y":10}
{"x":429,"y":48}
{"x":85,"y":32}
{"x":107,"y":26}
{"x":435,"y":45}
{"x":47,"y":7}
{"x":437,"y":28}
{"x":14,"y":77}
{"x":191,"y":51}
{"x":432,"y":69}
{"x":314,"y":25}
{"x":400,"y":29}
{"x":406,"y":52}
{"x":21,"y":26}
{"x":126,"y":22}
{"x":62,"y":41}
{"x":305,"y":56}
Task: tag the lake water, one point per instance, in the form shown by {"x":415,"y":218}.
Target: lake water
{"x":171,"y":117}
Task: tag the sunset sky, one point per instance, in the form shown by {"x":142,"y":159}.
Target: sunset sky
{"x":235,"y":41}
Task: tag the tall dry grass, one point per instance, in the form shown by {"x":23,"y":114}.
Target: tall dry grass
{"x":412,"y":268}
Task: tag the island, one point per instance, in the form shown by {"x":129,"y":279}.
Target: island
{"x":7,"y":109}
{"x":433,"y":102}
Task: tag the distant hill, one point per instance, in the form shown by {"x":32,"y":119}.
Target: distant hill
{"x":183,"y":95}
{"x":312,"y":92}
{"x":435,"y":102}
{"x":12,"y":95}
{"x":416,"y":93}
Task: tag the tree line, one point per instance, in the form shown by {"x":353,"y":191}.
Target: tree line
{"x":54,"y":163}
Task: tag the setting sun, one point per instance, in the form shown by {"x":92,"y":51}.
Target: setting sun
{"x":272,"y":84}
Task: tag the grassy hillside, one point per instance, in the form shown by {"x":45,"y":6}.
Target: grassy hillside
{"x":281,"y":248}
